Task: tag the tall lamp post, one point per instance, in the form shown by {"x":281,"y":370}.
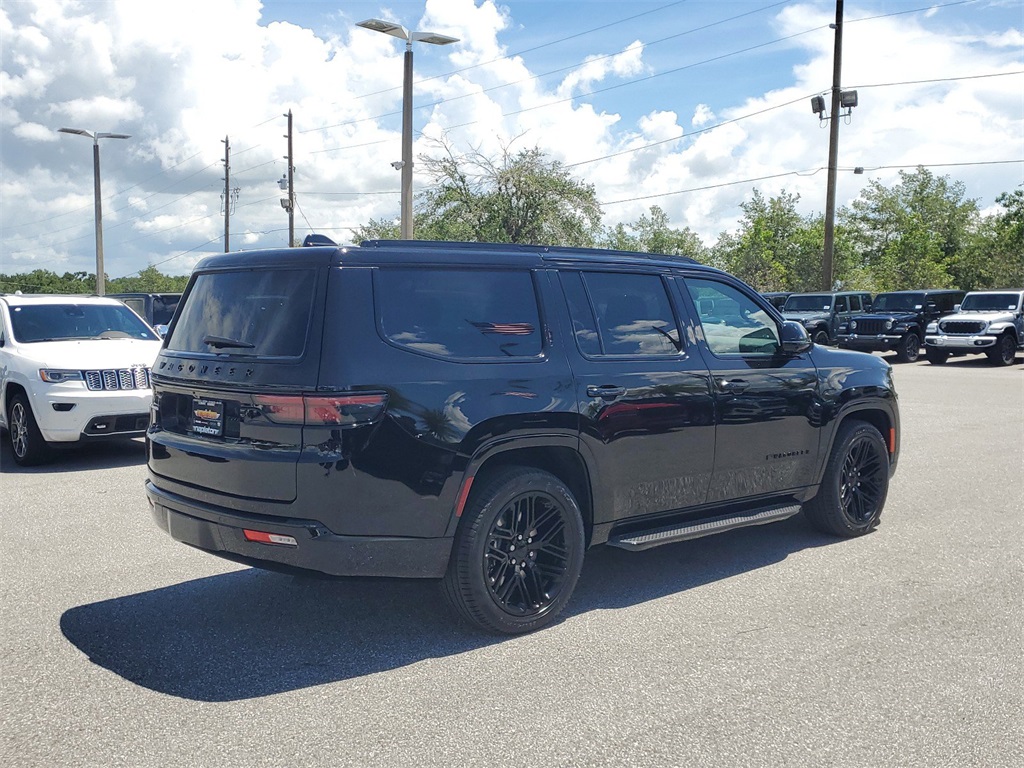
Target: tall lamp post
{"x":397,"y":30}
{"x":96,"y":190}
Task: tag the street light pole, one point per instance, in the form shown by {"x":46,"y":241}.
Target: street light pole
{"x":100,"y":281}
{"x":397,"y":30}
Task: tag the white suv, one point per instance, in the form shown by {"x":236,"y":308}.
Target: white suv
{"x":72,"y":368}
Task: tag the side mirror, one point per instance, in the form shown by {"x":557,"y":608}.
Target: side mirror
{"x":794,"y":338}
{"x":161,"y":330}
{"x":956,"y":307}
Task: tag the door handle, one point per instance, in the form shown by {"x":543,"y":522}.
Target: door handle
{"x":605,"y":391}
{"x":734,"y":386}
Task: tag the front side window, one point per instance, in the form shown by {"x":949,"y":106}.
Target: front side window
{"x":732,"y":323}
{"x":459,"y":313}
{"x":252,"y":313}
{"x":64,"y":322}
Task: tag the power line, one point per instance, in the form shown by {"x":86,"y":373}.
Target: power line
{"x":807,"y":172}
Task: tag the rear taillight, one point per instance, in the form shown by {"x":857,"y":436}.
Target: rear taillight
{"x":322,"y":410}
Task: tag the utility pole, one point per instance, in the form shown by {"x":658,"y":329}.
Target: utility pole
{"x":289,"y":205}
{"x":227,"y":195}
{"x":833,"y":154}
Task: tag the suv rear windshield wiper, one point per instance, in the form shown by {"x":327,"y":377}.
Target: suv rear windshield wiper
{"x":219,"y":342}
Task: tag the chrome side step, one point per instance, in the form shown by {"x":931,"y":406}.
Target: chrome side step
{"x":696,"y":529}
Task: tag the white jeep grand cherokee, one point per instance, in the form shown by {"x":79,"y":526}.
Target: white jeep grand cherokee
{"x":72,"y":368}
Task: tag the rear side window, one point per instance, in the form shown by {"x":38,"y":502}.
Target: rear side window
{"x":258,"y":314}
{"x":615,"y":313}
{"x":459,"y":313}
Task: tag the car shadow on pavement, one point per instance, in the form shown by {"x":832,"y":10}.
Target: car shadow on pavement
{"x":251,"y":633}
{"x":79,"y":458}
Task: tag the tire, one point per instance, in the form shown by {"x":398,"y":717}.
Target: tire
{"x":1004,"y":352}
{"x":909,"y":348}
{"x":936,"y":356}
{"x":821,"y":337}
{"x":27,"y":443}
{"x":517,"y":553}
{"x":852,"y":493}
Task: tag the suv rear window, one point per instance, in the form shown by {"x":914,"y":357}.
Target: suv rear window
{"x":259,"y":314}
{"x":459,"y":313}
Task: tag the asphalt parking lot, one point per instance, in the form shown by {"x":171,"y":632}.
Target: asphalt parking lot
{"x":771,"y":646}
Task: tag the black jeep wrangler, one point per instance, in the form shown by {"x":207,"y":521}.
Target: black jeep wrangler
{"x":823,"y":313}
{"x":482,"y":414}
{"x":897,"y":322}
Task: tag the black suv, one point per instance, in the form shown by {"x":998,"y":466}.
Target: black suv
{"x":482,"y":414}
{"x":157,"y":309}
{"x":823,"y":313}
{"x":897,"y":322}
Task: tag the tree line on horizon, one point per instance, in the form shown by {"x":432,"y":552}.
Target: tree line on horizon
{"x":922,"y":232}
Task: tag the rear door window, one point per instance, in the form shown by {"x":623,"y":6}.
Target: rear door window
{"x":250,"y":313}
{"x":459,"y":313}
{"x":617,"y":313}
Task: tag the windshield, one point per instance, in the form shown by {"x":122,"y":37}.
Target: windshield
{"x":809,"y":302}
{"x":889,"y":302}
{"x":990,"y":302}
{"x":62,"y":322}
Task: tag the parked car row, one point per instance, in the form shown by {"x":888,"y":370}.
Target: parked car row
{"x":946,"y":322}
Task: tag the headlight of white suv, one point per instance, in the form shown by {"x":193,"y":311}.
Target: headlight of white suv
{"x":58,"y":376}
{"x":932,"y":328}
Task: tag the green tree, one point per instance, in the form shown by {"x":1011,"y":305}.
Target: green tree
{"x":765,"y":248}
{"x":914,"y":234}
{"x":149,"y":280}
{"x":519,"y":197}
{"x":652,"y":234}
{"x":45,"y":281}
{"x":995,"y":255}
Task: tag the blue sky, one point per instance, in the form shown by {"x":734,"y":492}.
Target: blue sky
{"x":676,"y":104}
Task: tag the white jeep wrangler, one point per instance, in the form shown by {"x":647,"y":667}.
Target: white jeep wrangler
{"x":986,"y":321}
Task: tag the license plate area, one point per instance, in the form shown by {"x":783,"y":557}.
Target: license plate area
{"x":207,"y":417}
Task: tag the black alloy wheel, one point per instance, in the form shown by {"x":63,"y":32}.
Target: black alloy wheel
{"x":518,"y":552}
{"x":852,"y":493}
{"x":909,"y":348}
{"x":821,"y":337}
{"x":1005,"y":350}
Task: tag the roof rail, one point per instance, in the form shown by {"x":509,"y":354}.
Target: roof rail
{"x":506,"y":247}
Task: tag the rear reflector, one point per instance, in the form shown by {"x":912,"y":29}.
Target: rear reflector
{"x":322,"y":410}
{"x":263,"y":537}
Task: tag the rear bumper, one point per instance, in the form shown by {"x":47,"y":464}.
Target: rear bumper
{"x":219,"y":531}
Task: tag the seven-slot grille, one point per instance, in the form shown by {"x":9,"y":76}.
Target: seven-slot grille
{"x":962,"y":326}
{"x":871,"y":326}
{"x":136,"y":377}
